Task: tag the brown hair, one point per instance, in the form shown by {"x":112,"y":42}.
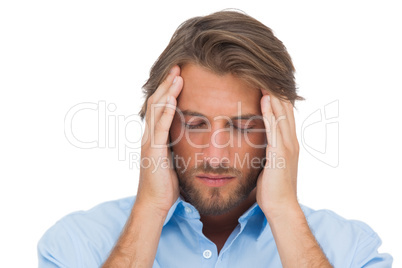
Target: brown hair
{"x":228,"y":42}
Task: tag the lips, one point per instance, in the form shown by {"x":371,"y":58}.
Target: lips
{"x":213,"y":180}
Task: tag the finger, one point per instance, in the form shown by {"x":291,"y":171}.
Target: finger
{"x":289,"y":111}
{"x":155,"y":98}
{"x":289,"y":108}
{"x":174,"y":90}
{"x":156,"y":109}
{"x":165,"y":85}
{"x":272,"y":131}
{"x":162,"y":89}
{"x":282,"y":120}
{"x":162,"y":126}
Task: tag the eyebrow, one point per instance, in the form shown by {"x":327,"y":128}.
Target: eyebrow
{"x":247,"y":116}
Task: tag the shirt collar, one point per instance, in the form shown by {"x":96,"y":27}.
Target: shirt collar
{"x":254,"y":209}
{"x":183,"y":208}
{"x":187,"y":210}
{"x":262,"y":222}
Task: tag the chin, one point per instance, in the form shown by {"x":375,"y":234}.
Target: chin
{"x":213,"y":201}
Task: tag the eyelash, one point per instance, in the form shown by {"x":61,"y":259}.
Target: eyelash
{"x":189,"y":126}
{"x":243,"y":130}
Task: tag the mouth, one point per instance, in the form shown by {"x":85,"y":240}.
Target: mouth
{"x":213,"y":180}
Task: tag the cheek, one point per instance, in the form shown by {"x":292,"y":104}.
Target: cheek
{"x":255,"y":140}
{"x":177,"y":139}
{"x":254,"y":144}
{"x":176,"y":131}
{"x":174,"y":134}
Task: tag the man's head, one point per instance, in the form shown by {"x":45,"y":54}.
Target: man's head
{"x":228,"y":42}
{"x":227,"y":60}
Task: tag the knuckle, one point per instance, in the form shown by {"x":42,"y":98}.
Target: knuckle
{"x":168,"y":111}
{"x":297,"y":147}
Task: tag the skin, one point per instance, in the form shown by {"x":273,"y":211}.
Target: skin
{"x":205,"y":93}
{"x":202,"y":94}
{"x":210,"y":128}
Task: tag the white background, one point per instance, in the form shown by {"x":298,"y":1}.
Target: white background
{"x":56,"y":54}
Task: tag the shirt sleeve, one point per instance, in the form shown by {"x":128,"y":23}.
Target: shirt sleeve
{"x":56,"y":249}
{"x":84,"y":238}
{"x":367,"y":255}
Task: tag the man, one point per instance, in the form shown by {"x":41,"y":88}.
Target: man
{"x":220,"y":124}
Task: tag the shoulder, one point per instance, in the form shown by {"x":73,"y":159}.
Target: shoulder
{"x":108,"y":218}
{"x":352,"y":240}
{"x":84,"y":238}
{"x":324,"y":219}
{"x":108,"y":214}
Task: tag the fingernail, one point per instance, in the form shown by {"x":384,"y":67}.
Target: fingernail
{"x":174,"y":80}
{"x":267,"y":99}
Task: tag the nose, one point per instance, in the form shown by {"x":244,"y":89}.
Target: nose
{"x":219,"y":146}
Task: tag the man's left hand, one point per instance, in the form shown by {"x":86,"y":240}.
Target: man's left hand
{"x":277,"y":182}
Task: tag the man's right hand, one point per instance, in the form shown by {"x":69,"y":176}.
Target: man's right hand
{"x":158,"y":186}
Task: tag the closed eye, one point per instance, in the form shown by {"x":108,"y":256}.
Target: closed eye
{"x":194,"y":126}
{"x":242,"y":125}
{"x":242,"y":129}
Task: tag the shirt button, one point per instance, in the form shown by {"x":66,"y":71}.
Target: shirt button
{"x":207,"y":254}
{"x":188,"y":210}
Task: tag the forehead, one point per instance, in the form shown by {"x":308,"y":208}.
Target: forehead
{"x":216,"y":95}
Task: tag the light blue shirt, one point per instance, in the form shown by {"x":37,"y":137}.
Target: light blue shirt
{"x":85,"y":239}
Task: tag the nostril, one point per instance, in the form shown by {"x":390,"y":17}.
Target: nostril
{"x":217,"y":162}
